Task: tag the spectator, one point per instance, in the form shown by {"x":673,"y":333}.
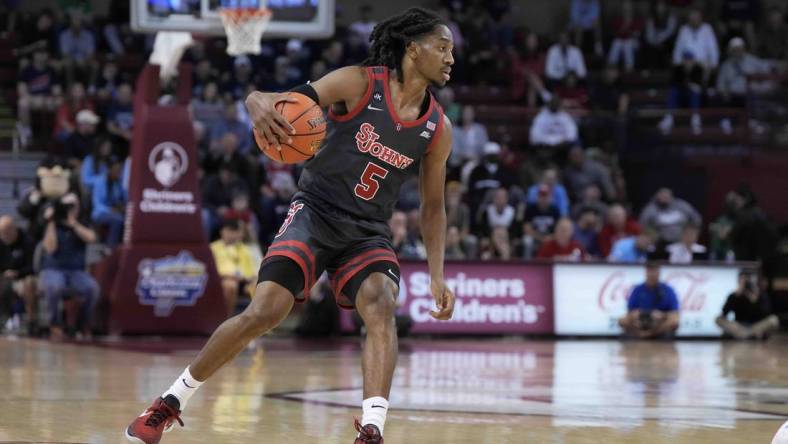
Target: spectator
{"x":753,"y":236}
{"x":562,"y":246}
{"x":753,"y":316}
{"x":591,"y":201}
{"x":235,"y":264}
{"x":454,"y":249}
{"x":286,"y":76}
{"x":227,"y":152}
{"x":217,"y":194}
{"x":41,"y":37}
{"x":499,"y":247}
{"x":52,"y":182}
{"x":539,"y":221}
{"x":230,"y":123}
{"x":687,"y":249}
{"x":109,"y":203}
{"x":95,"y":164}
{"x":37,"y":89}
{"x":582,"y":172}
{"x":16,"y":272}
{"x":609,"y":95}
{"x":686,"y":91}
{"x":720,"y":247}
{"x":208,"y":108}
{"x":65,"y":116}
{"x":572,"y":94}
{"x":82,"y":141}
{"x":405,"y":244}
{"x":459,"y":215}
{"x":554,"y":129}
{"x":652,"y":308}
{"x":737,"y":19}
{"x":605,"y":127}
{"x":63,"y":274}
{"x":732,"y":80}
{"x":365,"y":24}
{"x":78,"y":47}
{"x":773,"y":37}
{"x":247,"y":221}
{"x":108,"y":81}
{"x":120,"y":117}
{"x":487,"y":176}
{"x":587,"y":231}
{"x":563,"y":58}
{"x":242,"y":77}
{"x":274,"y":206}
{"x":667,"y":215}
{"x":499,"y":213}
{"x":558,"y":192}
{"x":585,"y":22}
{"x":527,"y":61}
{"x":618,"y":226}
{"x":635,"y":248}
{"x":469,"y":139}
{"x":660,"y":30}
{"x":697,"y":39}
{"x":626,"y":41}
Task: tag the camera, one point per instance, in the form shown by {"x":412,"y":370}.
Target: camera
{"x":60,"y":210}
{"x":646,"y":320}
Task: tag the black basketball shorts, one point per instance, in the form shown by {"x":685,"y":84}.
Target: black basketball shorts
{"x":318,"y":237}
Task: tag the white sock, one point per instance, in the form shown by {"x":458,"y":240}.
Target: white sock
{"x":183,"y":388}
{"x":375,"y":410}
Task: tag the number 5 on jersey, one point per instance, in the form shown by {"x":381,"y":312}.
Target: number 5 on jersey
{"x":369,"y":185}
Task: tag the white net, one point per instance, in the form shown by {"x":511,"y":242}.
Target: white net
{"x":168,"y":48}
{"x":244,"y":28}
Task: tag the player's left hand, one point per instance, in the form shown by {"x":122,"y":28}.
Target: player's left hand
{"x":444,"y":299}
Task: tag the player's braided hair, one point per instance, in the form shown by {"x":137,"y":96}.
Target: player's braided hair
{"x":390,"y":37}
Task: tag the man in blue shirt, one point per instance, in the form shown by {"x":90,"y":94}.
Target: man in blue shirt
{"x":652,"y":309}
{"x":633,"y":249}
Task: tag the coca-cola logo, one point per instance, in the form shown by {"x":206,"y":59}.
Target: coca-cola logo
{"x":689,"y":287}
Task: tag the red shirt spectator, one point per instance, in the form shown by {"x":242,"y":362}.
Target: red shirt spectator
{"x":618,"y":226}
{"x":562,"y":246}
{"x":65,"y":117}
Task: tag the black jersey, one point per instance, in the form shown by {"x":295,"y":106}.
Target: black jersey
{"x":369,"y":153}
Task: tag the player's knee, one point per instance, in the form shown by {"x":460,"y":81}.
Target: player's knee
{"x":269,"y":306}
{"x":377,"y":296}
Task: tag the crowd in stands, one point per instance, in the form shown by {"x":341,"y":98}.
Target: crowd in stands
{"x":560,"y":195}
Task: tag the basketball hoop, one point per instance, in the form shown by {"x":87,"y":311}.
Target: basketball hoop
{"x":244,"y":28}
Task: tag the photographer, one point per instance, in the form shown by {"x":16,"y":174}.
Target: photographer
{"x":16,"y":273}
{"x":652,"y":309}
{"x":63,"y":274}
{"x":751,"y":309}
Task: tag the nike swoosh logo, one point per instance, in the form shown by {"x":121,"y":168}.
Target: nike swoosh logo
{"x":187,"y":385}
{"x":373,"y":108}
{"x":393,"y":274}
{"x":375,"y":406}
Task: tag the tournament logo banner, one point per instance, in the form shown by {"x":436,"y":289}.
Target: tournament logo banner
{"x":171,"y":281}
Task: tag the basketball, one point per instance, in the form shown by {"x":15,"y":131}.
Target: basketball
{"x":310,"y":129}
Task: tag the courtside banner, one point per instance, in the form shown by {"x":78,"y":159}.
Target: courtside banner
{"x":589,"y":299}
{"x":494,"y":298}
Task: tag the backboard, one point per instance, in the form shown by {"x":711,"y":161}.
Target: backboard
{"x":291,"y":18}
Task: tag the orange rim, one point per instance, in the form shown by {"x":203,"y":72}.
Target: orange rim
{"x":242,"y":14}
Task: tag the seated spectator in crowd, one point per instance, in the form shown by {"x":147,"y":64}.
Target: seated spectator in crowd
{"x":652,"y":308}
{"x":661,"y":27}
{"x":120,"y":117}
{"x":454,"y":250}
{"x":488,"y":175}
{"x":234,"y":263}
{"x":109,"y":203}
{"x":539,"y":221}
{"x":586,"y":24}
{"x":227,"y":152}
{"x":753,"y":315}
{"x":81,"y":142}
{"x":95,"y":164}
{"x":617,"y":226}
{"x":37,"y":89}
{"x":468,"y":139}
{"x":406,"y":245}
{"x":239,"y":211}
{"x":563,"y":58}
{"x":688,"y":249}
{"x":572,"y":94}
{"x":550,"y":181}
{"x":737,"y":19}
{"x":231,"y":124}
{"x":697,"y":39}
{"x":274,"y":206}
{"x":527,"y":61}
{"x":582,"y":172}
{"x":732,"y":80}
{"x":108,"y":81}
{"x":498,"y":212}
{"x":217,"y":196}
{"x":286,"y":75}
{"x":753,"y":236}
{"x":587,"y":231}
{"x":554,"y":128}
{"x":686,"y":91}
{"x":78,"y":48}
{"x":459,"y":215}
{"x":635,"y":248}
{"x":668,"y":215}
{"x":208,"y":107}
{"x":626,"y":37}
{"x":562,"y":246}
{"x":773,"y":37}
{"x":17,"y":281}
{"x":66,"y":114}
{"x":498,"y":247}
{"x":591,"y":201}
{"x":41,"y":37}
{"x":242,"y":77}
{"x":63,"y":275}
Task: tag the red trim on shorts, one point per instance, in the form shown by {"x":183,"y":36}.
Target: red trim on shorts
{"x":363,"y":256}
{"x":300,"y":262}
{"x":362,"y":103}
{"x":299,"y":245}
{"x":354,"y":271}
{"x":438,"y":131}
{"x":393,"y":113}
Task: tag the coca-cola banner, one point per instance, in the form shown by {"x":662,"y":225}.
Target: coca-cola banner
{"x":589,"y":299}
{"x":491,"y":298}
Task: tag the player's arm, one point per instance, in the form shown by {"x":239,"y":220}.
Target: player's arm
{"x":346,"y":85}
{"x":433,"y":219}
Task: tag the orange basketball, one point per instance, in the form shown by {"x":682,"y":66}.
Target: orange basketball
{"x":310,"y":129}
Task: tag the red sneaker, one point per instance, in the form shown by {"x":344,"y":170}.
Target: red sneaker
{"x":157,"y":419}
{"x":368,"y":434}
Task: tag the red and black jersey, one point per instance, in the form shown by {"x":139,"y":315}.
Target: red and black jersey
{"x":368,"y":153}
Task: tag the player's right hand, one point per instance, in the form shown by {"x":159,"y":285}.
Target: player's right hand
{"x":266,"y":119}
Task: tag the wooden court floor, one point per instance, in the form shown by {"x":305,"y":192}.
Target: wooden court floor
{"x":445,"y":391}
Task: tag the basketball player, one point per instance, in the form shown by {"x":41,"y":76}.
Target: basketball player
{"x":384,"y":127}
